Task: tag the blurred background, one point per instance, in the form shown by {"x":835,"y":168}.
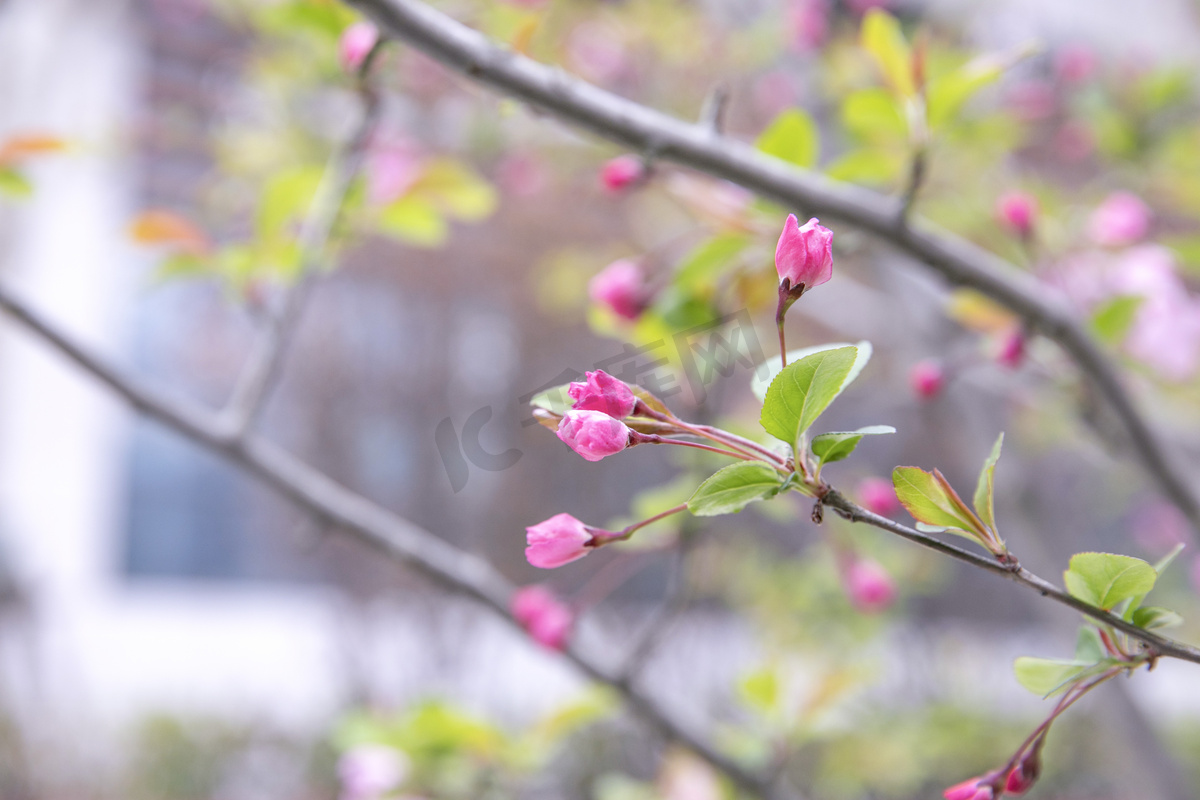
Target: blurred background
{"x":169,"y":628}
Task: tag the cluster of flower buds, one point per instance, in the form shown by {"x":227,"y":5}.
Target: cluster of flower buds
{"x":1016,"y":778}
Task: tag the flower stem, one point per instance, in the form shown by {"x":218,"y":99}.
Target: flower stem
{"x":625,"y":533}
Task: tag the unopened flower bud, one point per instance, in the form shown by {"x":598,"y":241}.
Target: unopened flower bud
{"x":1017,"y":211}
{"x":869,"y":586}
{"x":927,"y":378}
{"x":1012,"y":349}
{"x":543,"y":616}
{"x":973,"y":789}
{"x":804,"y":254}
{"x":622,"y":287}
{"x":1120,"y":220}
{"x":878,"y":496}
{"x":602,"y":392}
{"x":621,"y":172}
{"x":1025,"y":774}
{"x":356,"y":42}
{"x":557,"y":541}
{"x":593,"y":434}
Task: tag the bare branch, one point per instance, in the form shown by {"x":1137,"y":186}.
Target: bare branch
{"x":640,"y":128}
{"x":1160,"y":644}
{"x":265,"y":361}
{"x":335,"y":506}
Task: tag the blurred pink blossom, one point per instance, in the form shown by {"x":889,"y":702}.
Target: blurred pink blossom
{"x":927,"y":378}
{"x":1018,"y":211}
{"x":621,"y":172}
{"x":392,"y":168}
{"x":355,"y":43}
{"x":1120,"y":220}
{"x":877,"y":495}
{"x":774,"y":92}
{"x":1166,"y":331}
{"x":1074,"y":141}
{"x":369,"y":771}
{"x":621,"y":286}
{"x":1011,"y":351}
{"x":522,"y":175}
{"x":1160,"y":526}
{"x":1075,"y":63}
{"x":869,"y":586}
{"x":809,"y":20}
{"x":1032,"y":100}
{"x":543,"y":616}
{"x":861,"y":7}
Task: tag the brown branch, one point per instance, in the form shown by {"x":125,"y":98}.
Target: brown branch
{"x":698,"y":147}
{"x":1159,"y":644}
{"x":337,"y":507}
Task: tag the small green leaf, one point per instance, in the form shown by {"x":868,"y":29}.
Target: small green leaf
{"x":286,"y":199}
{"x":948,"y":93}
{"x":985,"y":489}
{"x":1112,"y":320}
{"x":930,"y":500}
{"x":1149,"y":617}
{"x":883,"y":39}
{"x":14,"y":184}
{"x":760,"y":690}
{"x":804,"y":389}
{"x":1105,"y":579}
{"x":874,"y":115}
{"x":732,"y":488}
{"x":791,"y":137}
{"x":456,"y":190}
{"x":414,"y":220}
{"x":707,"y":259}
{"x":830,"y":447}
{"x":767,"y":371}
{"x":1043,"y":676}
{"x":1159,"y":566}
{"x":1088,"y":647}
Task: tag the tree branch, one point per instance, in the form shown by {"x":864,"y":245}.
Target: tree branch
{"x":1160,"y":644}
{"x":338,"y":507}
{"x":265,"y":361}
{"x":696,"y":146}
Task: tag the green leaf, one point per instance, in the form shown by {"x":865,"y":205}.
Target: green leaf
{"x":1105,"y":579}
{"x":14,"y":184}
{"x":948,"y":93}
{"x":873,"y":115}
{"x":1112,"y":320}
{"x":791,"y":137}
{"x":930,"y":499}
{"x":732,"y":488}
{"x":1088,"y":647}
{"x":803,"y":389}
{"x":286,"y":199}
{"x":985,"y":489}
{"x":1149,"y":617}
{"x":1044,"y":676}
{"x":414,"y":220}
{"x":1166,"y":560}
{"x":830,"y":447}
{"x":707,"y":259}
{"x":883,"y":39}
{"x":760,"y":690}
{"x":767,"y":371}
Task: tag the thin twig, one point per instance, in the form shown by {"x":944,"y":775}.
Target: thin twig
{"x":1161,"y":645}
{"x":337,"y":507}
{"x":640,"y":128}
{"x":265,"y":361}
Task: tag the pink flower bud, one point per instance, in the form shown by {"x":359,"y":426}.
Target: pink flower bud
{"x":869,"y":586}
{"x":603,"y":392}
{"x":1075,"y":63}
{"x":593,"y":434}
{"x":369,"y":771}
{"x":1121,"y":219}
{"x":1018,"y":211}
{"x":1025,"y":774}
{"x":927,"y":378}
{"x":622,"y":287}
{"x":1012,"y":349}
{"x":557,"y":541}
{"x":543,"y":616}
{"x":621,"y":172}
{"x":356,"y":41}
{"x":878,"y":496}
{"x":969,"y":790}
{"x":809,"y":22}
{"x":804,"y":254}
